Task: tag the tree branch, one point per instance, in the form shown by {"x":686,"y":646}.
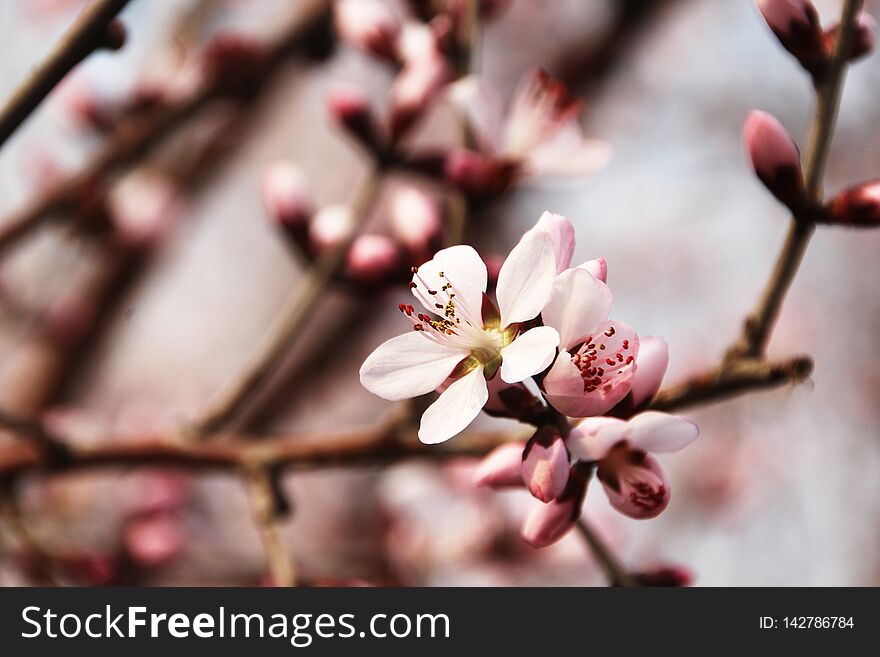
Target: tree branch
{"x":90,"y":32}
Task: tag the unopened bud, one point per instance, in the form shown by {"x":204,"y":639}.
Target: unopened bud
{"x":476,"y":175}
{"x":502,"y":467}
{"x":416,"y":220}
{"x":669,"y":576}
{"x":858,"y":207}
{"x":414,"y":90}
{"x":350,"y":108}
{"x":373,"y":259}
{"x":796,"y":24}
{"x":153,"y":541}
{"x":330,"y":227}
{"x":547,"y":523}
{"x":775,"y":158}
{"x":286,"y":197}
{"x":368,"y":25}
{"x":545,"y":465}
{"x":863,"y":40}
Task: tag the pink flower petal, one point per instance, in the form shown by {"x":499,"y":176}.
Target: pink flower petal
{"x":561,"y":233}
{"x":502,"y":467}
{"x":634,"y":483}
{"x":653,"y":431}
{"x":598,"y":269}
{"x":593,"y":438}
{"x":652,"y":361}
{"x":578,"y":304}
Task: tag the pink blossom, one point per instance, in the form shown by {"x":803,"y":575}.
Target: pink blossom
{"x":539,"y":136}
{"x":373,"y":258}
{"x":633,"y":480}
{"x":775,"y":158}
{"x":369,"y":25}
{"x":651,"y":366}
{"x":796,"y":24}
{"x":285,"y":195}
{"x":350,"y":108}
{"x":502,"y":467}
{"x":330,"y":226}
{"x":469,"y":338}
{"x":547,"y":523}
{"x":416,"y":220}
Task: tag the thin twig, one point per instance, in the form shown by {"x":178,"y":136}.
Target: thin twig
{"x":614,"y":570}
{"x":759,"y":324}
{"x":741,"y":376}
{"x":268,"y":519}
{"x":291,"y":320}
{"x":87,"y":34}
{"x":132,"y":140}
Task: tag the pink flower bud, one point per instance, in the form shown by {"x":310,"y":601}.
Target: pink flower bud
{"x":502,"y":467}
{"x":796,"y":24}
{"x":330,"y":226}
{"x":858,"y":206}
{"x":511,"y":400}
{"x":373,"y":259}
{"x":547,"y":523}
{"x":416,"y":220}
{"x":864,"y":39}
{"x":368,"y":25}
{"x":666,"y":576}
{"x":285,"y":195}
{"x":545,"y":465}
{"x":414,"y":90}
{"x":350,"y":108}
{"x":634,"y":482}
{"x":153,"y":541}
{"x":476,"y":175}
{"x":144,"y":209}
{"x":775,"y":158}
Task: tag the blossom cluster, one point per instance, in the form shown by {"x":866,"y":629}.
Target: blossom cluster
{"x":547,"y":325}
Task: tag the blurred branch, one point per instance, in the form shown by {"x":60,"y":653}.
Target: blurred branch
{"x":264,"y":494}
{"x":132,"y":140}
{"x":291,"y":320}
{"x":614,"y":570}
{"x":741,"y":376}
{"x":389,"y":443}
{"x":91,"y":31}
{"x":759,"y":324}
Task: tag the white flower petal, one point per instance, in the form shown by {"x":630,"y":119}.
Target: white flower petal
{"x":653,"y":431}
{"x":530,"y":353}
{"x":569,"y":155}
{"x":456,"y":408}
{"x":408,"y":366}
{"x":561,"y":232}
{"x":464,"y":269}
{"x":526,"y":278}
{"x":578,"y":303}
{"x":475,"y":98}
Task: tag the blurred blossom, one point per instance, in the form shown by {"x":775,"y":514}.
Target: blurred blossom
{"x":416,"y":220}
{"x":330,"y":226}
{"x":369,"y":25}
{"x":153,"y":540}
{"x":373,"y":258}
{"x":286,"y":196}
{"x":144,"y":207}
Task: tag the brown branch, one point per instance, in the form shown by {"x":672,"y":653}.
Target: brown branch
{"x":607,"y":560}
{"x":132,"y":140}
{"x":90,"y":32}
{"x":759,"y":325}
{"x":739,"y":377}
{"x":267,"y":514}
{"x":386,"y":444}
{"x":291,"y":320}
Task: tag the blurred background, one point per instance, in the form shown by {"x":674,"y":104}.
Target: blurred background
{"x":782,"y":489}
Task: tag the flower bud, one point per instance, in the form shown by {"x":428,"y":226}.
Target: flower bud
{"x":547,"y":523}
{"x":368,"y":25}
{"x":234,"y":60}
{"x":286,"y":197}
{"x":144,"y":208}
{"x":545,"y":465}
{"x":416,"y":220}
{"x":863,"y":40}
{"x":373,"y":259}
{"x":153,"y":541}
{"x":634,"y":482}
{"x":674,"y":576}
{"x":330,"y":226}
{"x":476,"y":175}
{"x":796,"y":24}
{"x":775,"y":158}
{"x":858,"y":207}
{"x":420,"y":81}
{"x":350,"y":108}
{"x":502,"y":467}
